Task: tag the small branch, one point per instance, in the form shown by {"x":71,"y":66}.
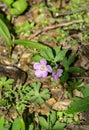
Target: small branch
{"x":2,"y":5}
{"x":70,"y":13}
{"x":55,"y":26}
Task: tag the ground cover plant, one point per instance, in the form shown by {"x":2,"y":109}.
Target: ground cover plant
{"x":44,"y":66}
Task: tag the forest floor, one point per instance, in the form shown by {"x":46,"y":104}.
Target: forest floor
{"x":68,"y":27}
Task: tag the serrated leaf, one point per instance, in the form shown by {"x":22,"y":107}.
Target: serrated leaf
{"x":7,"y":83}
{"x":47,"y":54}
{"x":59,"y":126}
{"x":36,"y":95}
{"x":79,"y":105}
{"x":57,"y":50}
{"x":76,"y":70}
{"x":44,"y":54}
{"x":39,"y":100}
{"x":32,"y":98}
{"x":60,"y":56}
{"x":45,"y":94}
{"x":43,"y":122}
{"x":50,"y":54}
{"x":38,"y":84}
{"x":37,"y":58}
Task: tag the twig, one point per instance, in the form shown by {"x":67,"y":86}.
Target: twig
{"x":2,"y":5}
{"x":70,"y":13}
{"x":55,"y":26}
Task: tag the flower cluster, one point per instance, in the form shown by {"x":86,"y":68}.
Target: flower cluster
{"x":42,"y":70}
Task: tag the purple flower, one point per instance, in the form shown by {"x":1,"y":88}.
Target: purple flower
{"x":57,"y":74}
{"x":42,"y":69}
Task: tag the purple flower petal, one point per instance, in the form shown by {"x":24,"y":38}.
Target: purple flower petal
{"x":49,"y":69}
{"x":43,"y":62}
{"x":42,"y":69}
{"x":55,"y":77}
{"x":57,"y":74}
{"x":36,"y":66}
{"x":60,"y":70}
{"x":38,"y":73}
{"x":45,"y":73}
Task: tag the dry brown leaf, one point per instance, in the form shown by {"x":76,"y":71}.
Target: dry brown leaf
{"x":62,"y":105}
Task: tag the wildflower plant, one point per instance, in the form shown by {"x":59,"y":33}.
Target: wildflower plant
{"x":53,"y":56}
{"x":59,"y":61}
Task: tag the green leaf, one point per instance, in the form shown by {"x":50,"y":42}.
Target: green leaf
{"x":60,"y":56}
{"x":53,"y":117}
{"x":59,"y":126}
{"x":32,"y":44}
{"x":64,"y":77}
{"x":43,"y":122}
{"x":45,"y":92}
{"x":31,"y":127}
{"x":65,"y":64}
{"x":4,"y":32}
{"x":79,"y":105}
{"x":85,"y":90}
{"x":19,"y":7}
{"x":36,"y":95}
{"x":76,"y":70}
{"x":25,"y":27}
{"x":8,"y":2}
{"x":74,"y":84}
{"x":57,"y":49}
{"x":47,"y":54}
{"x":2,"y":123}
{"x":7,"y":83}
{"x":71,"y":59}
{"x":44,"y":54}
{"x":39,"y":100}
{"x":22,"y":124}
{"x":37,"y":58}
{"x":16,"y":124}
